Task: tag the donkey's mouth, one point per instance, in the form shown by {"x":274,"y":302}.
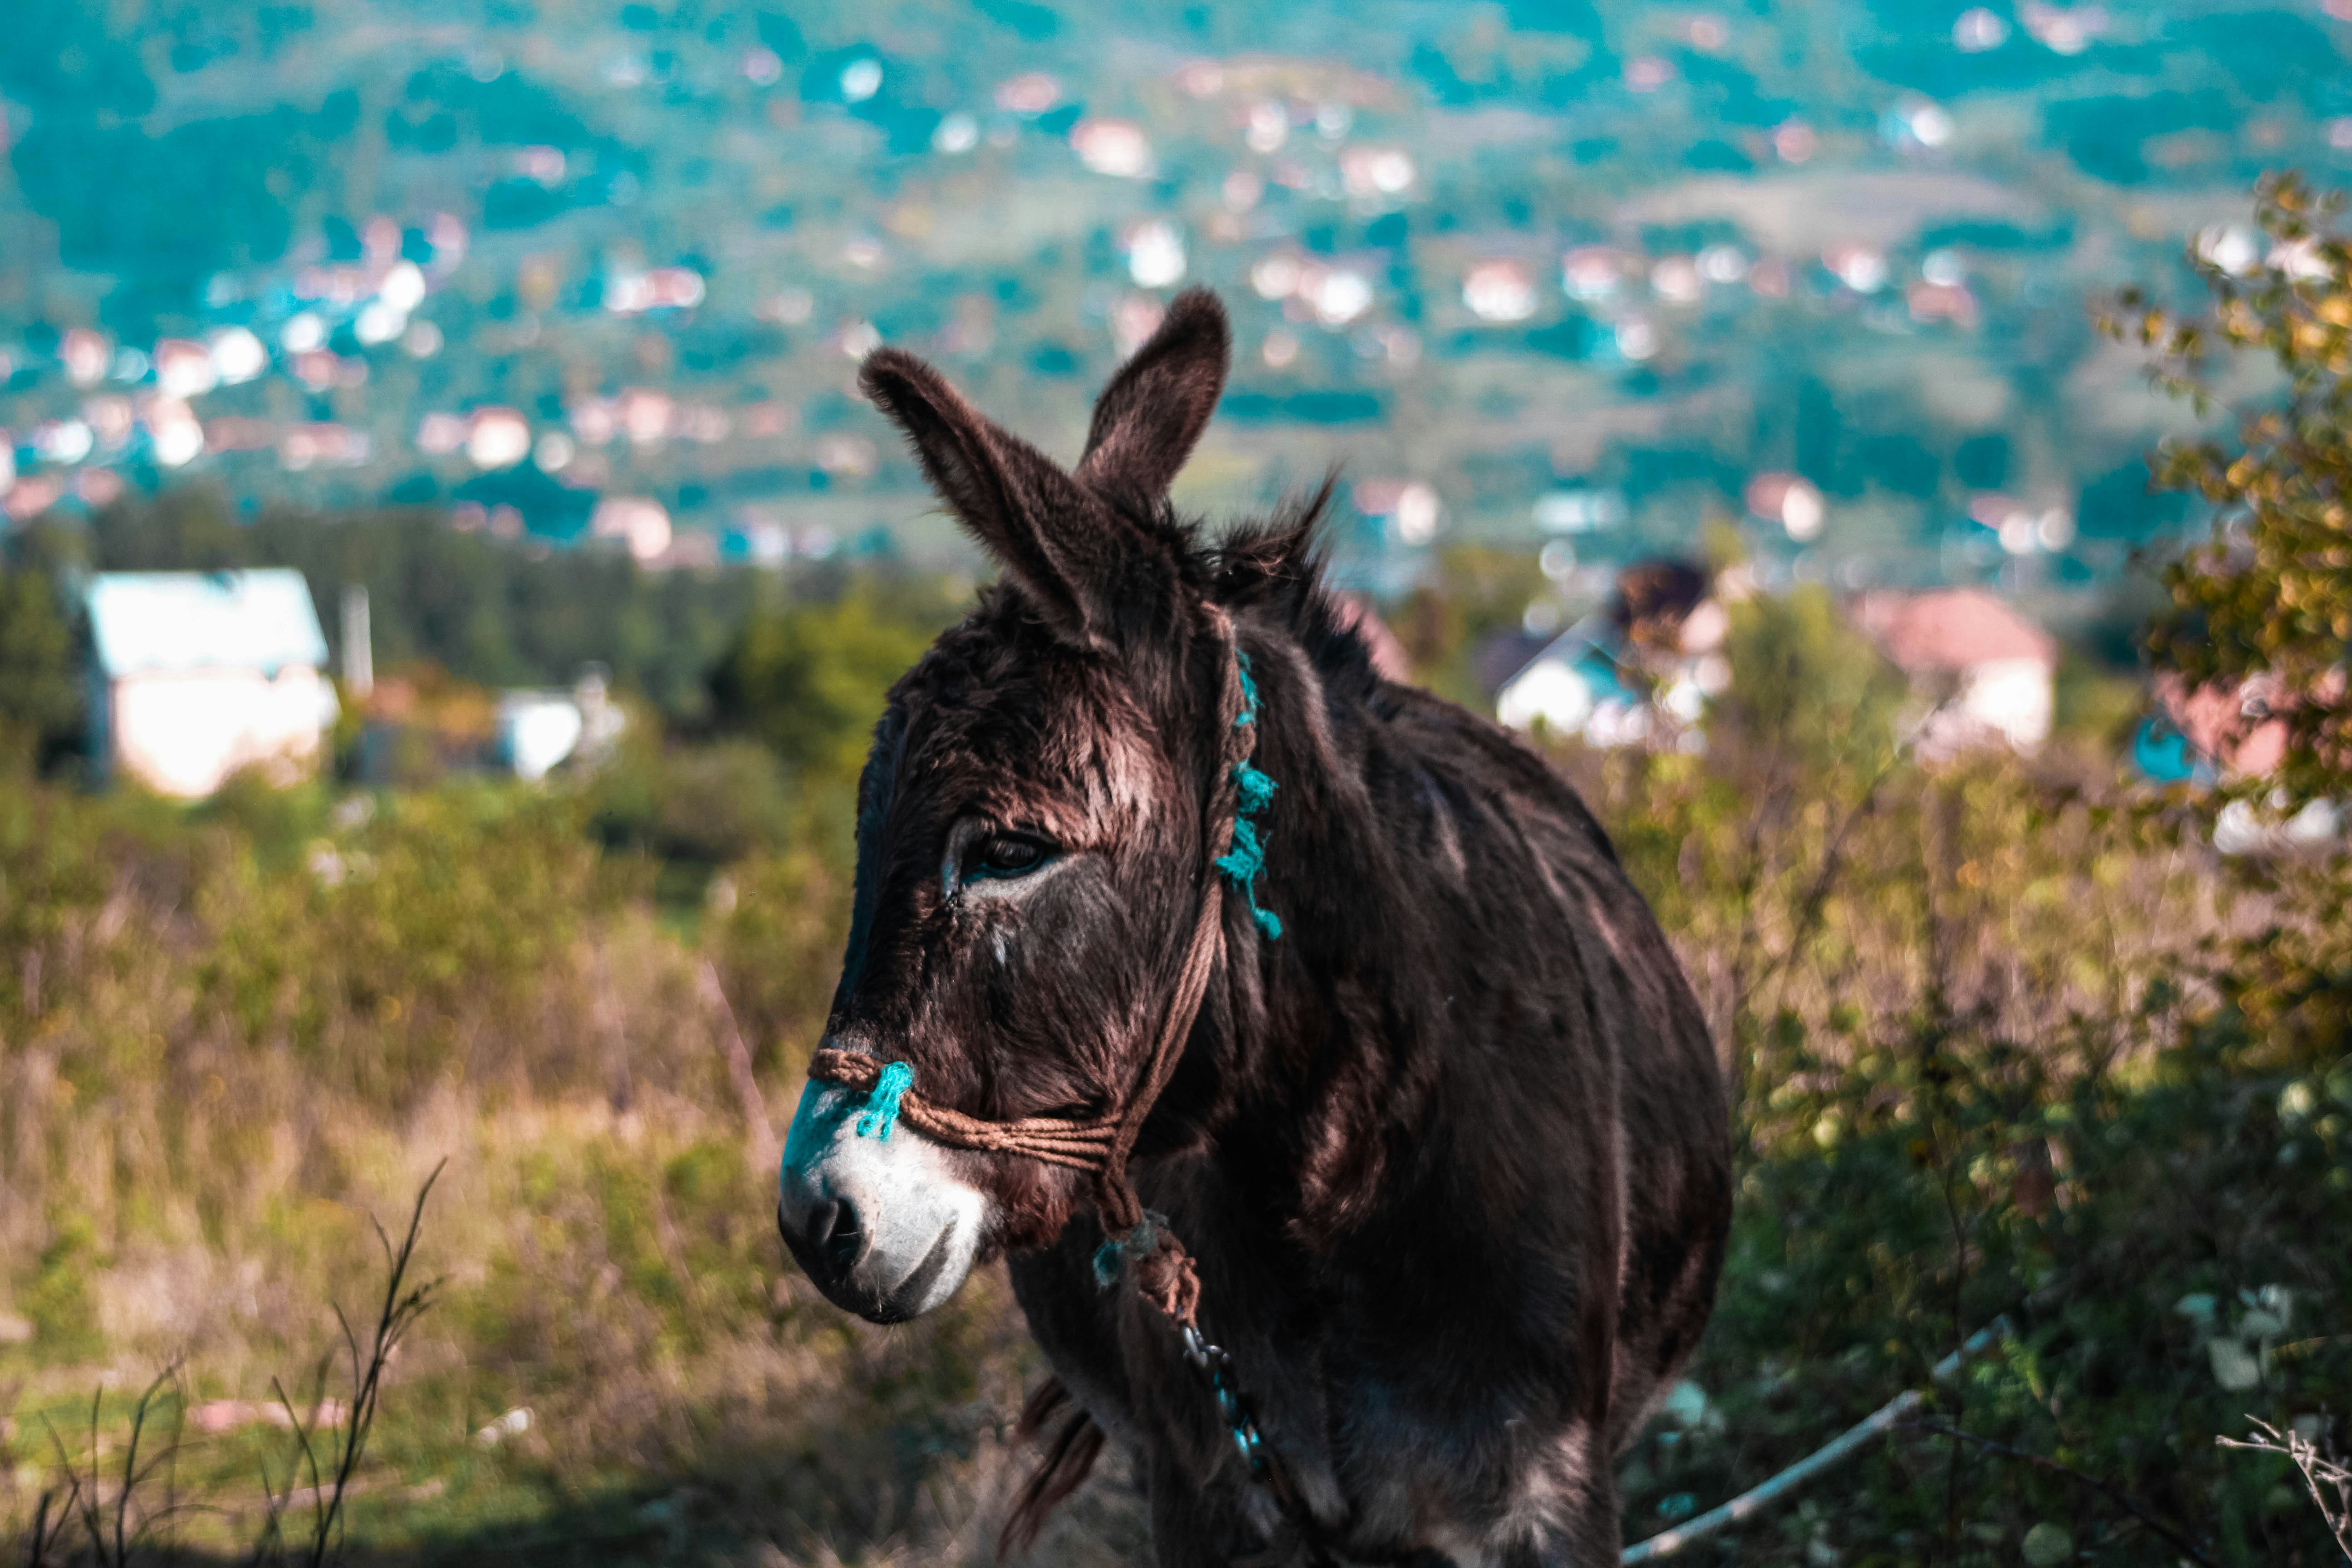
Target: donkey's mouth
{"x":883,"y":1226}
{"x":932,"y":1279}
{"x":920,"y":1291}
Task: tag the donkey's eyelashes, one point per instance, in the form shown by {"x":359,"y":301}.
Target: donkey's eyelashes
{"x":981,"y":854}
{"x":1001,"y":856}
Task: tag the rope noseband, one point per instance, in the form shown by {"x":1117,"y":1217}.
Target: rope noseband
{"x":1163,"y":1271}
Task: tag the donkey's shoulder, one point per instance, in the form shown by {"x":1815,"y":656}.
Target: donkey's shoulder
{"x":1469,"y":758}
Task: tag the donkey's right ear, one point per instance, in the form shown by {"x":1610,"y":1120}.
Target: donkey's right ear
{"x":1150,"y":416}
{"x":1023,"y":508}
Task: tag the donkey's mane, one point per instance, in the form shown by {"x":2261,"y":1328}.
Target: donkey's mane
{"x":1277,"y":565}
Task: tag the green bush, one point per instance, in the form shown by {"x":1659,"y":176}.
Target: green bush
{"x":808,"y":680}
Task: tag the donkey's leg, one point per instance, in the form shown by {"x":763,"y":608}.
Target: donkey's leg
{"x":1576,"y":1524}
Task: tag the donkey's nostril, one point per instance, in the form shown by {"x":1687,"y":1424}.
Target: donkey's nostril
{"x":836,"y":1237}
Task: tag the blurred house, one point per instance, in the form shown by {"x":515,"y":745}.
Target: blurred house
{"x":1572,"y":687}
{"x":1662,"y":630}
{"x":2221,"y":733}
{"x":197,"y":675}
{"x":2211,"y":732}
{"x":538,"y":731}
{"x":425,"y":724}
{"x":1987,"y":672}
{"x":419,"y":724}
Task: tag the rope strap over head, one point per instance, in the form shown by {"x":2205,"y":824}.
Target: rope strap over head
{"x":1164,"y":1273}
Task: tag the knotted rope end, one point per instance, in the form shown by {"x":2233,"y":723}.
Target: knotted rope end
{"x":1166,"y":1277}
{"x":1111,"y":1257}
{"x":1241,"y":867}
{"x":1254,"y":789}
{"x":1164,"y":1271}
{"x":1248,"y":715}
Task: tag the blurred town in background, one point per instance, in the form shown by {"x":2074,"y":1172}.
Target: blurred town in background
{"x":1591,"y":275}
{"x":541,"y":325}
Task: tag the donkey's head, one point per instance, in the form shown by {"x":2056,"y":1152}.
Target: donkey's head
{"x":1030,"y":828}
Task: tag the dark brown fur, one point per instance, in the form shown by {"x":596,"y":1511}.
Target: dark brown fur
{"x":1451,"y":1155}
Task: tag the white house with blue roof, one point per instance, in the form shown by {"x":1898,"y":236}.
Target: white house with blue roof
{"x":197,"y":675}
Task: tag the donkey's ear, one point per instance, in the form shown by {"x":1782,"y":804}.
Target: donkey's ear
{"x":1153,"y":411}
{"x":1049,"y":533}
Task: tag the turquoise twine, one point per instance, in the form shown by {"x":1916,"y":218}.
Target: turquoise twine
{"x":882,"y":1104}
{"x":1253,"y":791}
{"x":1248,"y":715}
{"x":1115,"y":1252}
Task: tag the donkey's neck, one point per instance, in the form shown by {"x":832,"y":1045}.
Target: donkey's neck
{"x":1323,"y":1026}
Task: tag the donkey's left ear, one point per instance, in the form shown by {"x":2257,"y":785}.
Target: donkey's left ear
{"x":1149,"y":418}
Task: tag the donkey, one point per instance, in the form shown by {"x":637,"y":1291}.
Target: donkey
{"x":1444,"y":1164}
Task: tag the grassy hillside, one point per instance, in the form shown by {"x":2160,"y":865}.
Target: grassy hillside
{"x":2009,"y":1042}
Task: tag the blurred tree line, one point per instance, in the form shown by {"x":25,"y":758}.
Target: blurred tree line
{"x":40,"y":684}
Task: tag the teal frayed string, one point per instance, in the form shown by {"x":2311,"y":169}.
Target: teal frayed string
{"x":1113,"y":1254}
{"x":882,"y":1104}
{"x":1248,"y":715}
{"x":1254,"y":788}
{"x":1240,"y":866}
{"x":1252,"y":792}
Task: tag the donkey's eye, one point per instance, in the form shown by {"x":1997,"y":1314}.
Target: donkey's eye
{"x":1006,"y":855}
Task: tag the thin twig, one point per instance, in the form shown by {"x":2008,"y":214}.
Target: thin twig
{"x":2107,"y":1489}
{"x":1817,"y":893}
{"x":739,"y":1070}
{"x":83,"y":1498}
{"x":36,"y":1550}
{"x":132,"y":1477}
{"x":2322,"y":1473}
{"x":400,"y":1309}
{"x":1757,"y":1498}
{"x":305,"y":1455}
{"x":331,"y":1485}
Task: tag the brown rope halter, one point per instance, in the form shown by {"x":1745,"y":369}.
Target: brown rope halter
{"x":1163,"y":1271}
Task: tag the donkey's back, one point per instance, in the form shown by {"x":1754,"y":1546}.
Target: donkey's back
{"x":1590,"y":1077}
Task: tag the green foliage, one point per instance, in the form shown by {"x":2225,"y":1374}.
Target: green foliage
{"x":57,"y":1300}
{"x":2001,"y":1052}
{"x":809,"y":680}
{"x":2270,"y":594}
{"x":2095,"y":704}
{"x":1474,"y":592}
{"x":2268,"y":599}
{"x":1915,"y":1183}
{"x":779,"y":924}
{"x":421,"y":930}
{"x":1806,"y":687}
{"x":40,"y":691}
{"x":706,"y":804}
{"x":226,"y":1034}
